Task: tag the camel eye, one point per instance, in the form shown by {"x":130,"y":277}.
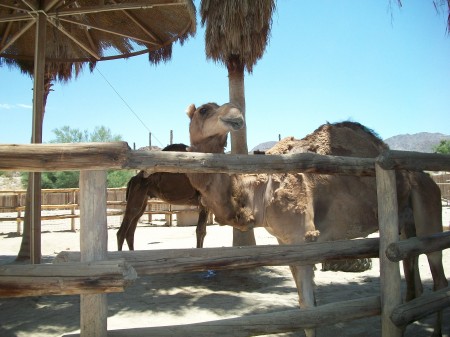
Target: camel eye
{"x":203,"y":111}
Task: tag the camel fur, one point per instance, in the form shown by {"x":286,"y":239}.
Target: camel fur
{"x":173,"y":188}
{"x":303,"y":207}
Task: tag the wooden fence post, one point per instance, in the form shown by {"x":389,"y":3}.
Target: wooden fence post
{"x":389,"y":271}
{"x":93,"y":247}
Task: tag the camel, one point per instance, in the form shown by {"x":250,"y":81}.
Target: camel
{"x":304,"y":207}
{"x":173,"y":188}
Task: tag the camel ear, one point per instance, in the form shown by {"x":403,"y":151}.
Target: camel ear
{"x":190,"y":110}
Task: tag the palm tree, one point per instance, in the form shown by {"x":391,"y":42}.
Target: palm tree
{"x":65,"y":35}
{"x":237,"y":32}
{"x":61,"y":72}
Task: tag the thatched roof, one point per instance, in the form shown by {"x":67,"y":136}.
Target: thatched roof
{"x":86,"y":31}
{"x":237,"y":29}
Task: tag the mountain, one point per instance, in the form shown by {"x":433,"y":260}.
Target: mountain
{"x":263,"y":146}
{"x":422,"y":142}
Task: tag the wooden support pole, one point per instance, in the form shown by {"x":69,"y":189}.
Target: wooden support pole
{"x":38,"y":116}
{"x":65,"y":279}
{"x":416,"y":246}
{"x":420,"y":307}
{"x":389,"y":271}
{"x":93,"y":247}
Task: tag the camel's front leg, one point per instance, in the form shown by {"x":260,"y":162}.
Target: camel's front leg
{"x":304,"y":280}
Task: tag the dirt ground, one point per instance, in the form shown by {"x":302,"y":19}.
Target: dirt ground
{"x":196,"y":297}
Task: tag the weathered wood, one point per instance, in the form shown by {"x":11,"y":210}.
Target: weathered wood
{"x":262,"y":324}
{"x":420,"y":307}
{"x":117,"y":155}
{"x":33,"y":206}
{"x":220,"y":163}
{"x":93,"y":246}
{"x":63,"y":157}
{"x":415,"y":161}
{"x":389,"y":271}
{"x":186,"y":260}
{"x":415,"y":246}
{"x":65,"y":279}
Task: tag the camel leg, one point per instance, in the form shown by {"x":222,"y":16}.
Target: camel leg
{"x":428,"y":221}
{"x":133,"y":224}
{"x":201,"y":226}
{"x":410,"y":265}
{"x":304,"y":280}
{"x":136,"y":196}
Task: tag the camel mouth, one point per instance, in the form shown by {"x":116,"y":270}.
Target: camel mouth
{"x":234,"y":123}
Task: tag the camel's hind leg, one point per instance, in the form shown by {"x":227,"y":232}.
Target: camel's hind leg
{"x":133,"y":224}
{"x":136,"y":196}
{"x":201,"y":225}
{"x":411,"y":264}
{"x":426,"y":202}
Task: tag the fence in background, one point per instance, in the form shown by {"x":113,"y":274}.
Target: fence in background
{"x":64,"y":204}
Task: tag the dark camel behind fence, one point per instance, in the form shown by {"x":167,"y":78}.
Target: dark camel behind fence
{"x":173,"y":188}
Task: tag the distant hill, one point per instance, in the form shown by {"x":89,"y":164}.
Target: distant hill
{"x":422,"y":142}
{"x":264,"y":146}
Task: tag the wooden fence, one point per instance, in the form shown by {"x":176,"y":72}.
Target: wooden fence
{"x":114,"y":268}
{"x":68,"y":199}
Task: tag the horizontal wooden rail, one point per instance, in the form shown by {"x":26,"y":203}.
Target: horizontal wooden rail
{"x":65,"y":279}
{"x":415,"y":161}
{"x":63,"y":157}
{"x":270,"y":323}
{"x":186,"y":260}
{"x":420,"y":307}
{"x":191,"y":162}
{"x":415,"y":246}
{"x":118,"y":155}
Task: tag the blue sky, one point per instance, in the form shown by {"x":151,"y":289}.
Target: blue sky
{"x":368,"y":61}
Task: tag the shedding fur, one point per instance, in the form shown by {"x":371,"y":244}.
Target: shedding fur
{"x":304,"y":207}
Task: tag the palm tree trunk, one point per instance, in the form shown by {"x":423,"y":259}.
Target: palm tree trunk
{"x":25,"y":246}
{"x":239,"y":138}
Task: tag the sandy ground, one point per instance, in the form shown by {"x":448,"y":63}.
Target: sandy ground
{"x":196,"y":297}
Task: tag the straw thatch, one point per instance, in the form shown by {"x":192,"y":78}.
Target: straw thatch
{"x":237,"y":28}
{"x":86,"y":31}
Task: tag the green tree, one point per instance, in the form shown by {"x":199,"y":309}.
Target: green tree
{"x":70,"y":179}
{"x":443,"y":147}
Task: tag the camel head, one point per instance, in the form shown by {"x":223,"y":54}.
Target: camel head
{"x":210,"y":124}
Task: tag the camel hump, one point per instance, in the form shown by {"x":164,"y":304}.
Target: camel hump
{"x":339,"y":139}
{"x":176,"y":147}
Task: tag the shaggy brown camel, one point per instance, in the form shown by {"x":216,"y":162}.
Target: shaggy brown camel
{"x":173,"y":188}
{"x":298,"y":208}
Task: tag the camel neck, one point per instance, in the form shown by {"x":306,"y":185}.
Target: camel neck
{"x":210,"y":145}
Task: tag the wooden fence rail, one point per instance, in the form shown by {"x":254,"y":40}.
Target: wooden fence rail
{"x":271,"y":323}
{"x":103,"y":156}
{"x":168,"y":261}
{"x":117,"y":155}
{"x":65,"y":279}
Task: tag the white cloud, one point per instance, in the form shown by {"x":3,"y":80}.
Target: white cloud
{"x":5,"y":106}
{"x":25,"y":106}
